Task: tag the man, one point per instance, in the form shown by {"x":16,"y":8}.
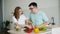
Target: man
{"x":37,"y":17}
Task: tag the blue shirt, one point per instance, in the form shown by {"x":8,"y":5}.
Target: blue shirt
{"x":39,"y":18}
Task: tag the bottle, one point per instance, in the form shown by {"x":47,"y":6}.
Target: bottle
{"x":53,"y":21}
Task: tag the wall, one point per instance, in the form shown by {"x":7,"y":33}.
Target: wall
{"x":50,"y":7}
{"x":1,"y":17}
{"x":59,"y":11}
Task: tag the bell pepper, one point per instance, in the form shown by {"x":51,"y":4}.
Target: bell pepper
{"x":36,"y":29}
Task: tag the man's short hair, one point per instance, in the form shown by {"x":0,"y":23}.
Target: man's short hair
{"x":33,"y":4}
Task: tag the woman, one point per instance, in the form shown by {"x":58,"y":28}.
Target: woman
{"x":19,"y":19}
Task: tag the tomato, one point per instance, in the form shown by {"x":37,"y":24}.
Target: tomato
{"x":28,"y":30}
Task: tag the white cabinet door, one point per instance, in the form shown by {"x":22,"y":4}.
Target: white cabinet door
{"x":56,"y":30}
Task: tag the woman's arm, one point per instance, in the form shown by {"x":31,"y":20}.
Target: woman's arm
{"x":22,"y":26}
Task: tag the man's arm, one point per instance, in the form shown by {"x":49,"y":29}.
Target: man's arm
{"x":45,"y":23}
{"x":28,"y":22}
{"x":44,"y":19}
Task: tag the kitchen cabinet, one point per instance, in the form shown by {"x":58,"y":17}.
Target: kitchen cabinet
{"x":56,"y":30}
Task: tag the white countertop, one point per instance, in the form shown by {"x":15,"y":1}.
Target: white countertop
{"x":22,"y":32}
{"x":49,"y":31}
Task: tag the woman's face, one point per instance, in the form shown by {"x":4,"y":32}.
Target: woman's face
{"x":20,"y":11}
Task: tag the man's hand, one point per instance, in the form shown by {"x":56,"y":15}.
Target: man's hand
{"x":44,"y":24}
{"x":28,"y":26}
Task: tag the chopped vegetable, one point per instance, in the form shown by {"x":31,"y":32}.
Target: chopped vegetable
{"x":42,"y":28}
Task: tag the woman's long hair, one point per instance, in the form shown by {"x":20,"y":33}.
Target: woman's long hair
{"x":16,"y":12}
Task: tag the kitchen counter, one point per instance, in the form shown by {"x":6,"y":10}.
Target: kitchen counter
{"x":49,"y":30}
{"x":22,"y":32}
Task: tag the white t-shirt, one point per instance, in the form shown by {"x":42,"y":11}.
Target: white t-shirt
{"x":21,"y":20}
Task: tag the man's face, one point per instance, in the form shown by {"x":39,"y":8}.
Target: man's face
{"x":32,"y":8}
